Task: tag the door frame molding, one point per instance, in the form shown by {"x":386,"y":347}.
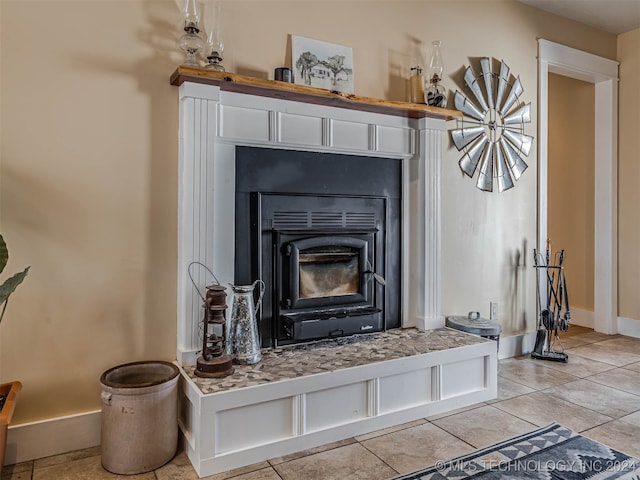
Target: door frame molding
{"x":603,"y":73}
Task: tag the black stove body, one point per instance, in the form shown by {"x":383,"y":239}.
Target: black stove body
{"x":323,"y":232}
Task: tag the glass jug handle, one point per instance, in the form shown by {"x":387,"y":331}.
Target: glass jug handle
{"x":262,"y":289}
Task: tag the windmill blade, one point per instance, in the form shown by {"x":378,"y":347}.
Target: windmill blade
{"x":503,"y":81}
{"x":516,"y":164}
{"x":519,"y":140}
{"x":464,"y":136}
{"x":485,"y":63}
{"x":502,"y":172}
{"x":516,"y":91}
{"x":469,"y":162}
{"x":473,"y":84}
{"x":485,"y":177}
{"x":521,"y":115}
{"x":464,"y":105}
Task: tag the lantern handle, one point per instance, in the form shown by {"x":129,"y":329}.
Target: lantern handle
{"x":193,"y":281}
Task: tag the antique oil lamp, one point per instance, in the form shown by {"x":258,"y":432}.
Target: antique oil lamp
{"x":215,"y":43}
{"x":214,"y":362}
{"x":435,"y":94}
{"x":191,"y":42}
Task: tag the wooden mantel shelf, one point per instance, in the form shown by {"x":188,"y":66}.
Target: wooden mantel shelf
{"x":233,"y":82}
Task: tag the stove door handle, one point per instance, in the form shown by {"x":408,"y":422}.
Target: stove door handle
{"x":378,"y":278}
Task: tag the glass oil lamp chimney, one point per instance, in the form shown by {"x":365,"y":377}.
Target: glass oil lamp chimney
{"x":215,"y":44}
{"x":214,"y":362}
{"x":435,"y":93}
{"x":190,"y":42}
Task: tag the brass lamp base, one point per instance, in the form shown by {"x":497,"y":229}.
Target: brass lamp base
{"x":216,"y":367}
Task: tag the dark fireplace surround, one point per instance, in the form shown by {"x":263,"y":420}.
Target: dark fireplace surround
{"x":323,"y":232}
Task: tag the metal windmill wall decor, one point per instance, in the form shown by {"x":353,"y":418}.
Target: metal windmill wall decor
{"x":493,"y":138}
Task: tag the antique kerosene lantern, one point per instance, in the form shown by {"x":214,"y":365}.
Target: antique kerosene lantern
{"x":214,"y":362}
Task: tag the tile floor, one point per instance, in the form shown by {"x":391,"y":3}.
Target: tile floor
{"x":597,"y":394}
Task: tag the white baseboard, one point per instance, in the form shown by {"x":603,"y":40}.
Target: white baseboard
{"x":629,"y":327}
{"x":516,"y":345}
{"x":54,"y":436}
{"x":582,"y":318}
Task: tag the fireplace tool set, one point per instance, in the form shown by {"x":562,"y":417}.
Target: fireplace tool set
{"x":554,"y":306}
{"x":244,"y":341}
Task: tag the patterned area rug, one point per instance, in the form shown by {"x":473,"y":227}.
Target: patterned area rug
{"x":553,"y":452}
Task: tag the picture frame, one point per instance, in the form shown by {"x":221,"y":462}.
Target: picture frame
{"x":322,"y":64}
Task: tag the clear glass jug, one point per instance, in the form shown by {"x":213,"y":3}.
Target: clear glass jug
{"x":244,"y":337}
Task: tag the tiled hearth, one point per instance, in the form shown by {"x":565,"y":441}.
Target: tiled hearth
{"x":331,"y":355}
{"x":302,"y":396}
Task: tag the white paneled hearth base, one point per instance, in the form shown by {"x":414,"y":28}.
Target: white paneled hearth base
{"x":236,"y":426}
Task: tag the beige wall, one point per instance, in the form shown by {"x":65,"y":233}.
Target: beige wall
{"x":88,"y":186}
{"x":629,"y":176}
{"x":571,"y":183}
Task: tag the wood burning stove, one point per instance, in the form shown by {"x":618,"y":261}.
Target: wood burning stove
{"x":322,"y":231}
{"x":326,"y":285}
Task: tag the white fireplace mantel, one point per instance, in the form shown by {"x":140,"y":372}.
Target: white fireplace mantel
{"x":214,"y":119}
{"x":229,"y":429}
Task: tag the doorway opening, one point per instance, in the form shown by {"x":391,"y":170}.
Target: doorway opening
{"x":603,"y":73}
{"x":571,"y":187}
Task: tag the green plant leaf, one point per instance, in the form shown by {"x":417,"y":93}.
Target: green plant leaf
{"x":9,"y":285}
{"x":4,"y":254}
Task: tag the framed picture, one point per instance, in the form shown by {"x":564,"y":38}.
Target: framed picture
{"x":321,"y":64}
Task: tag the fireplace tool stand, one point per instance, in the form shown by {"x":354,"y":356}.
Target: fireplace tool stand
{"x":554,"y":313}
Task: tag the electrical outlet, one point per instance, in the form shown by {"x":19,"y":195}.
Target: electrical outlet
{"x":493,"y":315}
